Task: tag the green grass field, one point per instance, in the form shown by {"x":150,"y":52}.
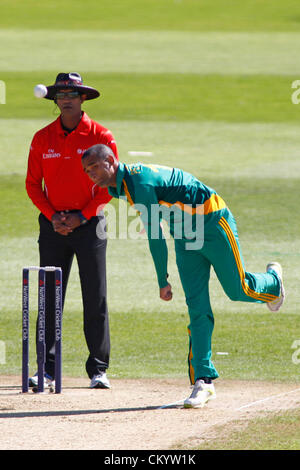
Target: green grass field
{"x":205,"y":87}
{"x":279,"y":431}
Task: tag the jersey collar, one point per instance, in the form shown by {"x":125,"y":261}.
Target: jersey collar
{"x":83,"y":127}
{"x":118,"y":190}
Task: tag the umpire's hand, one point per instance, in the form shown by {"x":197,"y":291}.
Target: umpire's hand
{"x":59,"y":224}
{"x":166,"y":293}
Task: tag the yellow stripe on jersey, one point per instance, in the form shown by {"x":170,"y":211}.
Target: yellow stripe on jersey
{"x":213,"y":204}
{"x":129,"y":198}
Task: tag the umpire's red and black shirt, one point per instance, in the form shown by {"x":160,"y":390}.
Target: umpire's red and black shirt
{"x":55,"y":178}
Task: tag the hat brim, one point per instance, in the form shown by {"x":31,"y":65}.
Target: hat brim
{"x":91,"y":93}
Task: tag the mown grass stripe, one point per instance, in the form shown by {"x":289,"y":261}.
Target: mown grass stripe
{"x":244,"y":153}
{"x":151,"y":52}
{"x":191,"y":15}
{"x":180,"y":97}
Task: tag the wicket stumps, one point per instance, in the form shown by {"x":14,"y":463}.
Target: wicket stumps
{"x":41,"y":321}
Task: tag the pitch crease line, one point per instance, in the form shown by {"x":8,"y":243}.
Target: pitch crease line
{"x":266,"y":399}
{"x":176,"y":403}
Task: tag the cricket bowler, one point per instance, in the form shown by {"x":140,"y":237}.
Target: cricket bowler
{"x":205,"y":235}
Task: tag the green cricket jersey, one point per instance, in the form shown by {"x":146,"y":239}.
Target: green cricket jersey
{"x":160,"y":192}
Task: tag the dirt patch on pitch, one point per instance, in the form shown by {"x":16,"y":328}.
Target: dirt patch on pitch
{"x":131,"y":415}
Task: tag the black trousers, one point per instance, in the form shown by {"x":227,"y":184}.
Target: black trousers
{"x":90,"y":250}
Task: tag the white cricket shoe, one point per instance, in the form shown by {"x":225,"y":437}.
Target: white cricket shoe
{"x":48,"y":381}
{"x":201,"y":394}
{"x":275,"y":305}
{"x":100,"y":381}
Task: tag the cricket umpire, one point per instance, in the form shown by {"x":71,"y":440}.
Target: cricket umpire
{"x":70,"y":208}
{"x":205,"y":235}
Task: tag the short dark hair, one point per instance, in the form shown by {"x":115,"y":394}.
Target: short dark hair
{"x":99,"y":150}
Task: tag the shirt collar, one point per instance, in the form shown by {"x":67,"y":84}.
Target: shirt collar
{"x":118,"y":190}
{"x":83,"y":127}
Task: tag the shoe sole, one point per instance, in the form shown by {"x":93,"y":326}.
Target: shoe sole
{"x":278,"y":303}
{"x":32,"y":384}
{"x":186,"y":405}
{"x":276,"y":307}
{"x":201,"y":405}
{"x":102,"y":386}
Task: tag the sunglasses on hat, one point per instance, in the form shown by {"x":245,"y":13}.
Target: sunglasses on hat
{"x":68,"y":94}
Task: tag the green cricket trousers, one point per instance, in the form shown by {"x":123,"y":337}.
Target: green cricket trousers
{"x":221,"y":250}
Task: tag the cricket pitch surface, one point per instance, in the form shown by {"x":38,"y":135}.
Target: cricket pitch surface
{"x":141,"y":414}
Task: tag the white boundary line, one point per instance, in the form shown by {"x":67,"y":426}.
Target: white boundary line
{"x":265,"y":399}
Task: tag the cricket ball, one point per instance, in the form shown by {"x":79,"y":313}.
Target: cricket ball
{"x":40,"y":91}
